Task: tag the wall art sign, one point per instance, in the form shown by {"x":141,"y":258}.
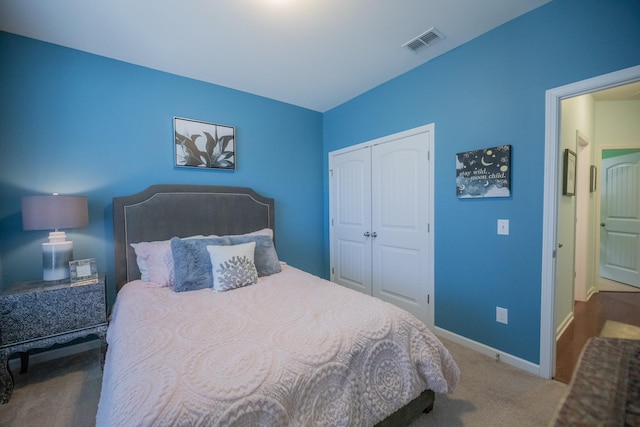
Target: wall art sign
{"x":484,"y":173}
{"x":204,"y":145}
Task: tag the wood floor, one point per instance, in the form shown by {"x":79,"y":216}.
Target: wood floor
{"x":589,"y":318}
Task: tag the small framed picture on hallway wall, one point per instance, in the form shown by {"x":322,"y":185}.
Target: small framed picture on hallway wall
{"x":569,"y":173}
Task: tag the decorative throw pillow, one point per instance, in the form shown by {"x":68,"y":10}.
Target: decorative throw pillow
{"x":233,"y":266}
{"x":265,"y":258}
{"x":192,"y":264}
{"x":155,"y":261}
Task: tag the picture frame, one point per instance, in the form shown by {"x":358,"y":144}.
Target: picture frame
{"x":83,"y":271}
{"x":569,"y":173}
{"x":203,"y":145}
{"x":593,"y":178}
{"x":484,"y":173}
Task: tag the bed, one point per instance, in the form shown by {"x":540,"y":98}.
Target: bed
{"x":238,"y":346}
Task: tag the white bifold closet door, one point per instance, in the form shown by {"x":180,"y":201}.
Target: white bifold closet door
{"x":379,"y":203}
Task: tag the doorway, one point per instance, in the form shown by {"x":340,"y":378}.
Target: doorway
{"x":614,"y":192}
{"x":550,"y":211}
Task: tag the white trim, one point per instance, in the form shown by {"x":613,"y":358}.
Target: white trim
{"x":517,"y":362}
{"x":581,"y":227}
{"x":392,"y":137}
{"x":564,"y":325}
{"x":549,"y":218}
{"x":431,"y":128}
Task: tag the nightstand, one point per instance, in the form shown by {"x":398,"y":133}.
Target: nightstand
{"x":41,"y":314}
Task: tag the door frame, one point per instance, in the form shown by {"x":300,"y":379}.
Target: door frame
{"x":581,"y":266}
{"x":553,"y":98}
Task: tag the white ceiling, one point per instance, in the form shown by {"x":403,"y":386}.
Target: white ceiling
{"x":311,"y":53}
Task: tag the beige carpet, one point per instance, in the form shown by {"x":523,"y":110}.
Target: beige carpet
{"x":64,"y":392}
{"x":495,"y":394}
{"x":60,"y":392}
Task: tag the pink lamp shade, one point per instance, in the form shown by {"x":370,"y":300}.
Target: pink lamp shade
{"x":53,"y":212}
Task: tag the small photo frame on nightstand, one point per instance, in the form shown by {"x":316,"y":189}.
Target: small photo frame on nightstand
{"x":83,"y":271}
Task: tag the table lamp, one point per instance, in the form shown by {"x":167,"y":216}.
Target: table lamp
{"x":47,"y":212}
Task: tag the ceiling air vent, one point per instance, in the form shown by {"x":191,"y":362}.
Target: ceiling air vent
{"x":425,"y":39}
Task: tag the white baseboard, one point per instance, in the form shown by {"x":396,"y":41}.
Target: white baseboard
{"x":45,"y":356}
{"x":564,"y":325}
{"x":489,"y":351}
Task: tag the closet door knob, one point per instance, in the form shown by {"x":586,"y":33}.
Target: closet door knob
{"x":374,"y":234}
{"x":367,"y":234}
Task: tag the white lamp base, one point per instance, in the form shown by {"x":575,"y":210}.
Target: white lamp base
{"x":56,"y":255}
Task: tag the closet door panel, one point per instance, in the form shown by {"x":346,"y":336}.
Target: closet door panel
{"x":398,"y":269}
{"x":400,"y":223}
{"x":351,"y":219}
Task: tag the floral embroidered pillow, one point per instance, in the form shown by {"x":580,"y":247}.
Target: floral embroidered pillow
{"x":233,"y":266}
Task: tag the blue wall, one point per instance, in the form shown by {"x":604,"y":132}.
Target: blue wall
{"x":81,"y":124}
{"x":489,"y":92}
{"x":77,"y":123}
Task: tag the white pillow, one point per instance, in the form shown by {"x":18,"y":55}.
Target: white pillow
{"x":233,"y":266}
{"x":155,"y":262}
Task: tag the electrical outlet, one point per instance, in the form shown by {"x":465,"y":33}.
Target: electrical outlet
{"x":502,"y":315}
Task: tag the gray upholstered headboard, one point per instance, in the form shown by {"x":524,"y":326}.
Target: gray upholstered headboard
{"x":163,"y":211}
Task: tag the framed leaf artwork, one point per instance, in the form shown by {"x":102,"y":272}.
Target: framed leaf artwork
{"x":203,"y":145}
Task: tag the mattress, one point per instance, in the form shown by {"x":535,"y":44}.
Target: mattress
{"x":293,"y":349}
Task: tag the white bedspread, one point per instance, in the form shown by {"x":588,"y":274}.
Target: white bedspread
{"x":293,"y":349}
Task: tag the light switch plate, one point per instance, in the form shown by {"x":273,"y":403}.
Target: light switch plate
{"x":503,"y":227}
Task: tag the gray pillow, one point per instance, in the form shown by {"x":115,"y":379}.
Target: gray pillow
{"x":192,"y":264}
{"x":265,"y":258}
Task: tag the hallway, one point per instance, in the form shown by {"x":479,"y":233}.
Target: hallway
{"x":589,"y":318}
